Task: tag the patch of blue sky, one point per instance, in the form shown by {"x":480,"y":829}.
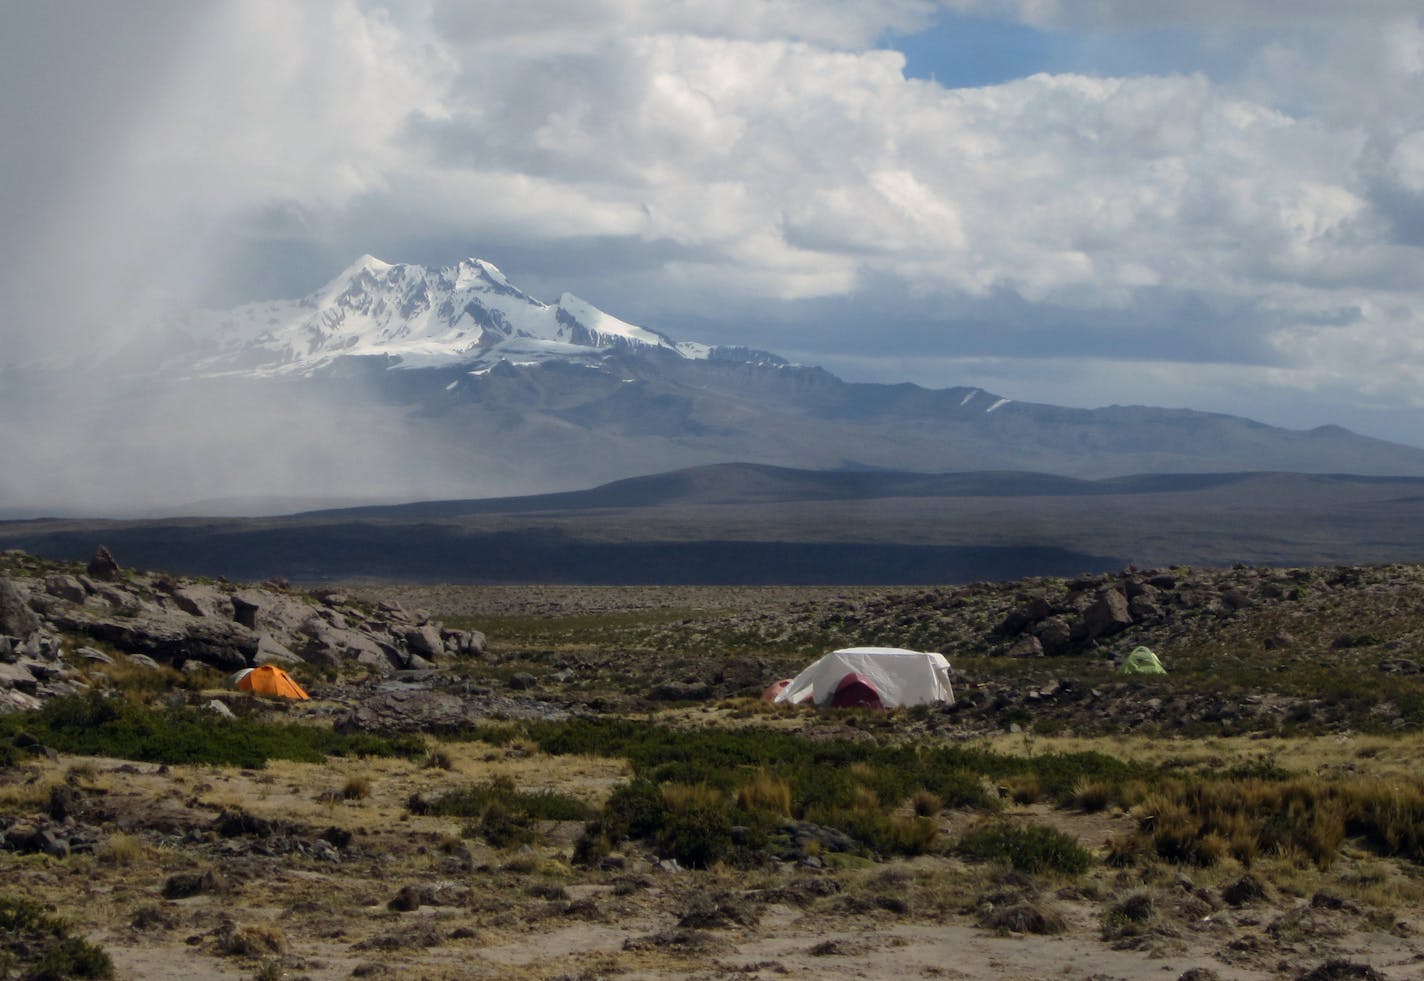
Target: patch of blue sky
{"x":966,"y":52}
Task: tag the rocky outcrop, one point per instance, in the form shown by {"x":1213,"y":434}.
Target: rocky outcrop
{"x":105,"y":611}
{"x":1079,"y":615}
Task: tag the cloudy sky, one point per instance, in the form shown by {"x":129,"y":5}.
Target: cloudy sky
{"x":1200,"y":203}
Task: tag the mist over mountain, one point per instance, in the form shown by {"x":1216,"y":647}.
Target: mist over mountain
{"x":401,"y":382}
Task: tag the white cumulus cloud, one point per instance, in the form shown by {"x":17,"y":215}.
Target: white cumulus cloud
{"x":755,"y":159}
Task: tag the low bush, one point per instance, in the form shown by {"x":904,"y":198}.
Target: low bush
{"x":697,"y":828}
{"x":926,"y":803}
{"x":1026,"y":916}
{"x":356,"y":787}
{"x":854,"y":787}
{"x":500,"y":813}
{"x":634,"y":810}
{"x":1024,"y":788}
{"x":1027,"y":848}
{"x":879,"y":832}
{"x":543,"y":805}
{"x":38,"y":946}
{"x":1093,"y":795}
{"x":95,"y":725}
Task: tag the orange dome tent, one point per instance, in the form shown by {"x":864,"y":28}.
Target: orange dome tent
{"x":270,"y":680}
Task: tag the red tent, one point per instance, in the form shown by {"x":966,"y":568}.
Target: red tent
{"x":856,"y":691}
{"x":770,"y":692}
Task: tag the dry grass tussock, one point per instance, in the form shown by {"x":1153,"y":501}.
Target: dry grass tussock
{"x":1304,"y":820}
{"x":765,"y":793}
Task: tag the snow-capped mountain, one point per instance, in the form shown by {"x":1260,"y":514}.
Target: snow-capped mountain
{"x":417,"y":317}
{"x":402,"y":382}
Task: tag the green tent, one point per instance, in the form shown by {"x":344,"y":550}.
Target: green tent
{"x":1141,"y":661}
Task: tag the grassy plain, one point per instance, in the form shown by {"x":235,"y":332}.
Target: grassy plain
{"x":1257,"y":813}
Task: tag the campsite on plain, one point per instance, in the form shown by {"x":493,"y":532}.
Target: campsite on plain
{"x":730,"y":491}
{"x":586,"y":782}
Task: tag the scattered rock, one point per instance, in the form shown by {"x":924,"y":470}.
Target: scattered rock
{"x":414,"y":936}
{"x":251,"y":941}
{"x":680,"y":691}
{"x":236,"y":822}
{"x":1247,"y":889}
{"x":184,"y":884}
{"x":1035,"y":917}
{"x":719,"y":910}
{"x":1342,"y":970}
{"x":1026,"y":646}
{"x":405,"y":901}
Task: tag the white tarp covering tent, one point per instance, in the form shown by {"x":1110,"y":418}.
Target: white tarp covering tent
{"x":899,"y":677}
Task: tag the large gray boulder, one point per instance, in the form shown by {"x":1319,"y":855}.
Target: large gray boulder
{"x":16,"y":617}
{"x":425,"y":640}
{"x":65,"y":588}
{"x":201,"y":600}
{"x":1055,"y":635}
{"x":465,"y":642}
{"x":270,"y":651}
{"x":1108,"y":615}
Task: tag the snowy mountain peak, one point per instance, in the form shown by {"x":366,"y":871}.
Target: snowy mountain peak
{"x":468,"y":314}
{"x":482,"y":269}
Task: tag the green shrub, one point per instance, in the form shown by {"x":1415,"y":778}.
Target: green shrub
{"x":96,"y":725}
{"x":634,"y":810}
{"x":500,"y":813}
{"x":697,"y":831}
{"x":1027,"y":848}
{"x":960,"y":789}
{"x":28,"y":933}
{"x":503,"y":826}
{"x":72,"y":957}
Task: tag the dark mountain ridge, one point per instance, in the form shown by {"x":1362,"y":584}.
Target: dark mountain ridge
{"x":752,"y":523}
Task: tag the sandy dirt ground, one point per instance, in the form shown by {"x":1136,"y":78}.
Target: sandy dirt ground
{"x":280,"y":906}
